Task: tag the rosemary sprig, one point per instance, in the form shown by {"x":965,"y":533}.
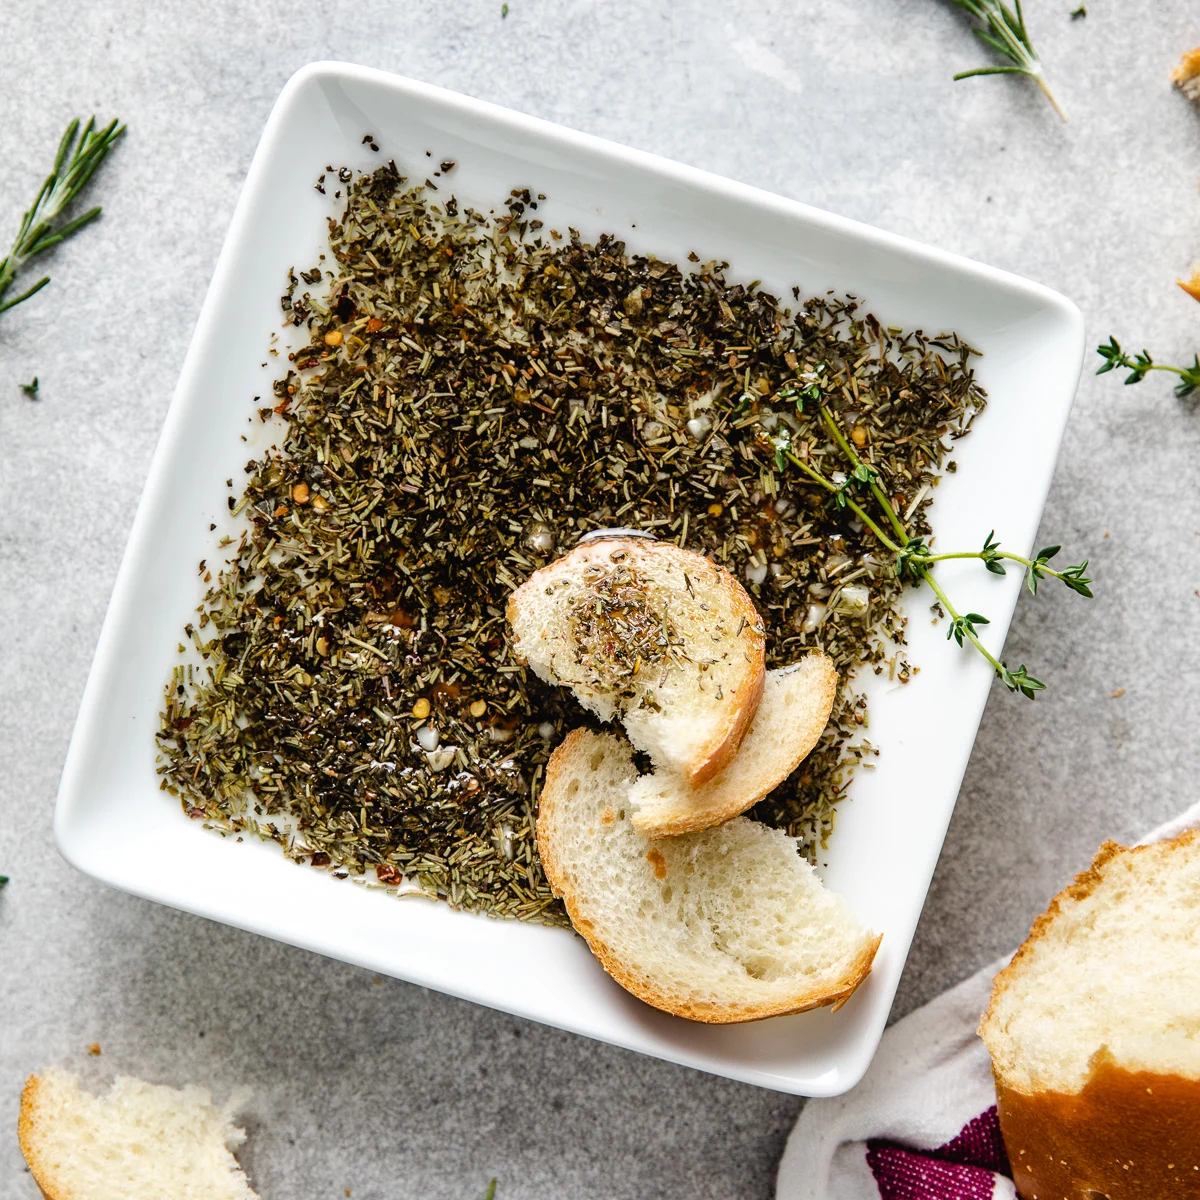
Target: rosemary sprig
{"x":1140,"y":365}
{"x":78,"y":157}
{"x":915,"y":560}
{"x":1004,"y":31}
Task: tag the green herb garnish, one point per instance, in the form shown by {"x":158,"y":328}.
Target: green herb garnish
{"x":3,"y":880}
{"x":1077,"y":13}
{"x":31,"y":388}
{"x":1140,"y":365}
{"x":74,"y":165}
{"x":1003,"y":30}
{"x":914,"y":559}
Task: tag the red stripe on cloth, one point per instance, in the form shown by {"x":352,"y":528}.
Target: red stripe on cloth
{"x":965,"y":1168}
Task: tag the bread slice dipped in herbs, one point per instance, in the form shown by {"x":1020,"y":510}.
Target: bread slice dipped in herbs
{"x":657,"y":637}
{"x":791,"y":717}
{"x":722,"y":926}
{"x":1094,"y":1033}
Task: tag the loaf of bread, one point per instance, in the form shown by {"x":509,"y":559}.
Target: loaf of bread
{"x":139,"y":1142}
{"x":656,"y":637}
{"x":791,"y":717}
{"x":1094,"y":1033}
{"x":726,"y":925}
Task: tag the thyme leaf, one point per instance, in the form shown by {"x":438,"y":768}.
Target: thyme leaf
{"x":914,"y":560}
{"x":1140,"y":365}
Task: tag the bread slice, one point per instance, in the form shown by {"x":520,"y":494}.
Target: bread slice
{"x":726,"y":925}
{"x":795,"y":707}
{"x":1094,"y":1032}
{"x":140,"y":1142}
{"x":657,"y":637}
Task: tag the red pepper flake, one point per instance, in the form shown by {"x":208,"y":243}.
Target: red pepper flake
{"x":388,"y":874}
{"x":374,"y":324}
{"x":195,"y":812}
{"x":320,"y":859}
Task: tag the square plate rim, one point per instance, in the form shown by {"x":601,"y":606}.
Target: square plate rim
{"x":320,"y":74}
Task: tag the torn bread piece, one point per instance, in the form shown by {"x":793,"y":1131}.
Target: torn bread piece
{"x":1186,"y":76}
{"x":726,"y":925}
{"x":139,"y":1140}
{"x":1092,"y":1029}
{"x":659,"y":638}
{"x":791,"y":717}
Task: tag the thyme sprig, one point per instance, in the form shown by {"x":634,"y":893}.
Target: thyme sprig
{"x":915,"y":559}
{"x":78,"y":157}
{"x":1140,"y":365}
{"x":1004,"y":31}
{"x":1037,"y":568}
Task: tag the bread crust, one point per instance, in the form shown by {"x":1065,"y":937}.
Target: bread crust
{"x":721,"y":750}
{"x":558,"y":772}
{"x":721,"y":754}
{"x":705,"y":816}
{"x":1128,"y":1135}
{"x":27,"y":1122}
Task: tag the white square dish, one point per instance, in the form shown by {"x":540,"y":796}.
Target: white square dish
{"x":114,"y":823}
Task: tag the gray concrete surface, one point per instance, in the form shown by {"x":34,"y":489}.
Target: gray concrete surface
{"x":384,"y":1088}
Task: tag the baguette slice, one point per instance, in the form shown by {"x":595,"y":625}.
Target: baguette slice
{"x":140,"y":1142}
{"x":726,"y":925}
{"x":795,"y":707}
{"x":657,"y":637}
{"x":1094,"y":1032}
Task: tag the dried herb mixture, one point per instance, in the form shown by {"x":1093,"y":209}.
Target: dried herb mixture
{"x":476,"y":392}
{"x":618,"y":632}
